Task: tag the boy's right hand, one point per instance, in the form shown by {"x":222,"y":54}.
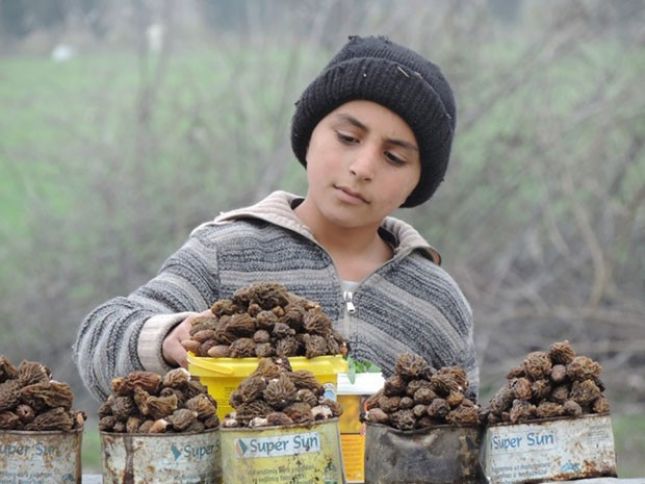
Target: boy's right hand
{"x":171,"y":349}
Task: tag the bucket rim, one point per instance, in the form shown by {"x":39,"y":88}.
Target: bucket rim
{"x":161,"y":434}
{"x":274,"y":427}
{"x":477,"y":427}
{"x":538,"y":421}
{"x":226,"y":366}
{"x":32,"y":433}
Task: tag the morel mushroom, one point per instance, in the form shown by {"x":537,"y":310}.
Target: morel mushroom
{"x":10,"y":421}
{"x":58,"y":418}
{"x":561,"y":353}
{"x":31,"y":372}
{"x":275,"y":395}
{"x":410,"y":366}
{"x":548,"y":385}
{"x":280,"y":392}
{"x":146,"y":402}
{"x":30,"y":400}
{"x":293,"y":326}
{"x":7,"y":370}
{"x":417,"y":396}
{"x":299,"y":412}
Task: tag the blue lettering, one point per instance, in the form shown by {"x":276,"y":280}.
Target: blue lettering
{"x":11,"y":449}
{"x":43,"y":450}
{"x":570,"y":467}
{"x":268,"y":447}
{"x":506,"y":442}
{"x":535,"y":439}
{"x":198,"y":452}
{"x":306,"y":442}
{"x":278,"y":446}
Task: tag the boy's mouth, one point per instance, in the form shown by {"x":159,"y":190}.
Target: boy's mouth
{"x":351,"y":194}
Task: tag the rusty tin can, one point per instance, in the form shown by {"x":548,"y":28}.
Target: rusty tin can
{"x":440,"y":454}
{"x":274,"y":455}
{"x":159,"y":458}
{"x":550,"y":449}
{"x":42,"y":457}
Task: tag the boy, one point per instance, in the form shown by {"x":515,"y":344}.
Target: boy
{"x":374,"y":131}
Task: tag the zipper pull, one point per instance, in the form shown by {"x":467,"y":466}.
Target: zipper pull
{"x":347,"y":296}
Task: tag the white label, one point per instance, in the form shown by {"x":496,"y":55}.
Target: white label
{"x":527,"y":441}
{"x":39,"y":458}
{"x":329,"y":391}
{"x":515,"y":453}
{"x":251,"y":448}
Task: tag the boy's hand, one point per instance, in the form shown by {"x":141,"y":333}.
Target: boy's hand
{"x":171,"y":349}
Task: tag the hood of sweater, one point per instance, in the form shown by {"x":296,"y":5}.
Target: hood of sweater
{"x":277,"y":209}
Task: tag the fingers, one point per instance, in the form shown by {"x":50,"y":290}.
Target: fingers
{"x":172,"y":350}
{"x":182,"y":359}
{"x":193,"y":316}
{"x":182,"y":330}
{"x":180,"y":352}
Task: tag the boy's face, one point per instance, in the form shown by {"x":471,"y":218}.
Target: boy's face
{"x":362,"y":164}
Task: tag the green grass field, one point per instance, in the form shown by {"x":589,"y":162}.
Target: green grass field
{"x":629,"y":434}
{"x":91,"y":450}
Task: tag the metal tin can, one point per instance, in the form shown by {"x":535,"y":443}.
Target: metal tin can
{"x":274,"y":455}
{"x":147,"y":458}
{"x":441,"y":454}
{"x":43,"y":457}
{"x":553,"y":449}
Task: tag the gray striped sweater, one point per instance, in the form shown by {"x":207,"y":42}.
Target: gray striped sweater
{"x":409,"y":304}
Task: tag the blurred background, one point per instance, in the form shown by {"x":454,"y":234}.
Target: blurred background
{"x":124,"y":124}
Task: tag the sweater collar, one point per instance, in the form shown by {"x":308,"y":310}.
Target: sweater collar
{"x":277,"y":209}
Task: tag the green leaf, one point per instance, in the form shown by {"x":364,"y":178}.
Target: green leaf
{"x":360,"y":366}
{"x":351,"y":373}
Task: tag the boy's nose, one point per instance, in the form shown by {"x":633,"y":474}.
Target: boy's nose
{"x":363,"y":164}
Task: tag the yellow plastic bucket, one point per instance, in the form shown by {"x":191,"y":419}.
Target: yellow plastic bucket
{"x":222,"y":376}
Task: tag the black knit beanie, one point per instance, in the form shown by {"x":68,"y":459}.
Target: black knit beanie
{"x":376,"y":69}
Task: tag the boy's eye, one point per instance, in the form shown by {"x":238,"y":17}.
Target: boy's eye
{"x":346,"y":138}
{"x":392,"y":158}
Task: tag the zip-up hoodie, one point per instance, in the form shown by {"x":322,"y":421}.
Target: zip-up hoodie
{"x":409,"y":304}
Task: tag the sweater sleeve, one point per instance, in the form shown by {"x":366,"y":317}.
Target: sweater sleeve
{"x":125,"y":333}
{"x":470,"y":354}
{"x":456,"y":309}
